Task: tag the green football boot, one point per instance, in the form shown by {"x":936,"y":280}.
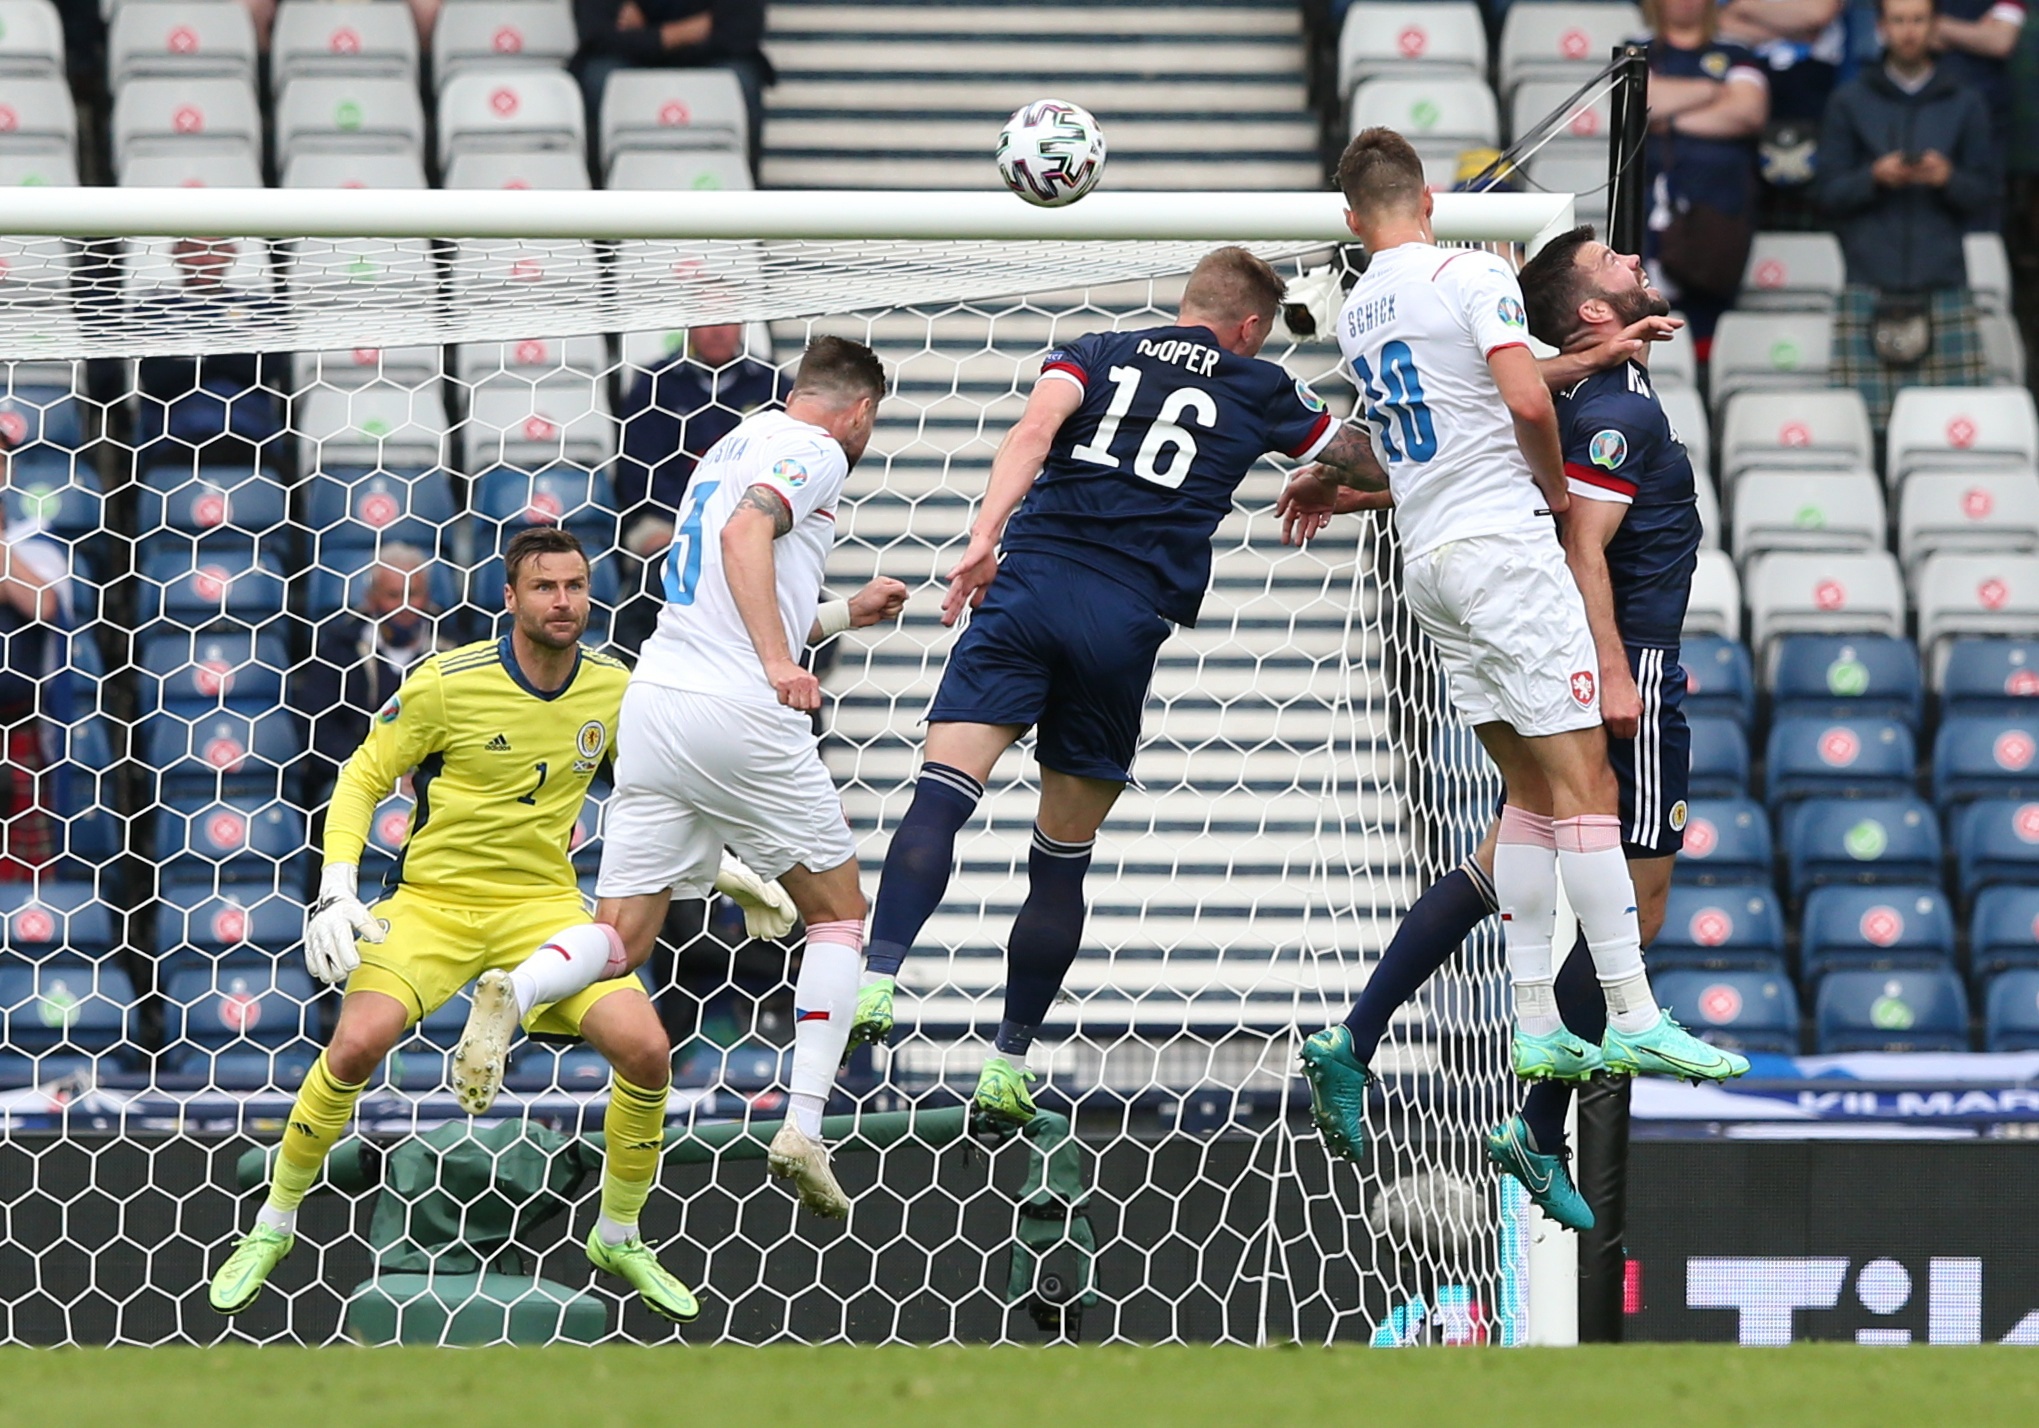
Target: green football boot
{"x":1338,"y":1081}
{"x":1545,"y":1177}
{"x":241,"y":1278}
{"x":1668,"y":1049}
{"x":633,"y":1262}
{"x":873,"y":1022}
{"x":1002,"y":1092}
{"x":1555,"y":1056}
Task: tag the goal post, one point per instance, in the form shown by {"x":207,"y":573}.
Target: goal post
{"x":433,"y":372}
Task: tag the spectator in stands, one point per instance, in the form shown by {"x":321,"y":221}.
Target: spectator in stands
{"x":1709,"y":99}
{"x":647,"y":34}
{"x":1974,"y":39}
{"x":1801,"y":42}
{"x":219,"y":409}
{"x":37,"y":693}
{"x":1904,"y":169}
{"x":359,"y":660}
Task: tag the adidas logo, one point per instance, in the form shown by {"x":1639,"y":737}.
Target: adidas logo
{"x":498,"y":745}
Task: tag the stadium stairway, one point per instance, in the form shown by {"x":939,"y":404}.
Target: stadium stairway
{"x":899,"y":94}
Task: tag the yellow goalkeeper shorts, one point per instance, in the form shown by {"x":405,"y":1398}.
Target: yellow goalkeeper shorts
{"x":435,"y":948}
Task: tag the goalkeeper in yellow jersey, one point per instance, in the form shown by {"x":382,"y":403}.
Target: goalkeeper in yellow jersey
{"x":504,"y":736}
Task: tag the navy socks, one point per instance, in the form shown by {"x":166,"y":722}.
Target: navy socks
{"x":919,"y":863}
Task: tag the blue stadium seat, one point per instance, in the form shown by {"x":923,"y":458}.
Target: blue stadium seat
{"x":2011,"y":1011}
{"x":87,"y":795}
{"x":340,"y":580}
{"x":1996,"y":840}
{"x":1720,"y":927}
{"x":224,"y":589}
{"x":215,"y":505}
{"x":1875,"y":927}
{"x":1986,"y":756}
{"x":229,"y":841}
{"x":358,"y":508}
{"x":507,"y":500}
{"x":1990,"y":676}
{"x":2003,"y":929}
{"x":1860,"y":840}
{"x":63,"y":1004}
{"x":1720,"y":679}
{"x":62,"y":493}
{"x":389,"y":826}
{"x":40,"y":422}
{"x":537,"y":1067}
{"x":223,"y":754}
{"x":241,"y":1025}
{"x":1741,"y":1010}
{"x":1846,"y":677}
{"x":1726,"y":841}
{"x":237,"y":922}
{"x":1838,"y":758}
{"x":212,"y":670}
{"x":1720,"y":758}
{"x":55,"y":917}
{"x":1895,"y":1010}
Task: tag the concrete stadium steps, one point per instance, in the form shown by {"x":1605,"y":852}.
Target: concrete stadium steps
{"x":905,"y":95}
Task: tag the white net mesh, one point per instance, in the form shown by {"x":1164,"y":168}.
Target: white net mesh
{"x":222,"y":519}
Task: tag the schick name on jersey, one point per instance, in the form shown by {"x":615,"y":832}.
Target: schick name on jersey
{"x":1196,"y":357}
{"x":1361,"y":317}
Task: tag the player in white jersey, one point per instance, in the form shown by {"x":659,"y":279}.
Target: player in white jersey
{"x":1437,"y":342}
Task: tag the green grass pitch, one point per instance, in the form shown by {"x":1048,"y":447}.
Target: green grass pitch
{"x":1657,"y":1386}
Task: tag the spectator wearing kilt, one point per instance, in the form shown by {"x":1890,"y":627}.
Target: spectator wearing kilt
{"x":1905,"y":168}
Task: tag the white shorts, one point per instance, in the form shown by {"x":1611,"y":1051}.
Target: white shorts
{"x":695,"y":772}
{"x":1507,"y":619}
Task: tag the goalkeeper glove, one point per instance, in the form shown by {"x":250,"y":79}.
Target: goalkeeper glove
{"x":767,"y":911}
{"x":335,"y":920}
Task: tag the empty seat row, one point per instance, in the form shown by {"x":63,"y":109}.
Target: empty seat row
{"x":1540,"y":40}
{"x":1863,"y":592}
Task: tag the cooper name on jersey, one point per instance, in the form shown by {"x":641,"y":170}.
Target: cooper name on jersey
{"x":1198,"y":358}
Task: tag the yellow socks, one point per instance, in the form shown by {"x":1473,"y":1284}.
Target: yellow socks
{"x":634,"y":1127}
{"x":321,"y":1111}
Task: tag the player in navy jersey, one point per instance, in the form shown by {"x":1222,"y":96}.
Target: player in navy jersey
{"x":1114,"y":479}
{"x":1631,"y":538}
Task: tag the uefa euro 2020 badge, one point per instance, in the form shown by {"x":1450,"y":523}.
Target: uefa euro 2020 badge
{"x":1609,"y":448}
{"x":388,"y":712}
{"x":1510,"y":312}
{"x":791,"y":472}
{"x":590,"y":742}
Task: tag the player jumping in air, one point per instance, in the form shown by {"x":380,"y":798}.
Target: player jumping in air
{"x":1437,"y":342}
{"x":1114,"y":479}
{"x":504,"y":736}
{"x":1631,"y":536}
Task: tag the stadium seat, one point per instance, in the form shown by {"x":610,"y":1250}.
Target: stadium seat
{"x":1723,"y":926}
{"x":1674,"y":364}
{"x":232,"y":923}
{"x":161,"y":116}
{"x":225,"y":589}
{"x":1689,"y":423}
{"x":1989,"y":270}
{"x":64,"y":1005}
{"x":32,"y":170}
{"x":399,"y":271}
{"x":680,"y":170}
{"x":1989,"y":676}
{"x":1569,"y":170}
{"x":538,"y":426}
{"x":501,"y":33}
{"x":2003,"y":929}
{"x":1845,"y":677}
{"x":356,"y":367}
{"x":212,"y":506}
{"x":554,"y":170}
{"x":489,"y":273}
{"x":236,"y":840}
{"x":196,"y":672}
{"x":704,"y":108}
{"x":1703,"y":496}
{"x":1396,"y":37}
{"x":531,"y":361}
{"x":1770,"y":351}
{"x":1442,"y":115}
{"x":1962,"y":429}
{"x":349,"y":114}
{"x":1562,"y":43}
{"x":366,"y":510}
{"x":2003,"y":348}
{"x":31,"y":41}
{"x":41,"y":421}
{"x":389,"y":828}
{"x":1838,"y":758}
{"x":1826,"y":593}
{"x":242,"y":1024}
{"x":222,"y":754}
{"x":1976,"y":595}
{"x":192,"y":39}
{"x":316,"y":170}
{"x":1986,"y":756}
{"x":1972,"y":511}
{"x":1720,"y":758}
{"x":1727,"y":842}
{"x":517,"y":109}
{"x":2011,"y":1011}
{"x":536,"y":1068}
{"x":1792,"y":272}
{"x":38,"y":118}
{"x":1715,"y":606}
{"x":1859,"y":840}
{"x":55,"y":916}
{"x":62,"y":496}
{"x":1891,"y":1010}
{"x":1875,"y":927}
{"x":1807,"y":510}
{"x":380,"y":426}
{"x":1996,"y":841}
{"x":1719,"y":681}
{"x":1827,"y":430}
{"x":1582,"y":133}
{"x":194,"y":168}
{"x":313,"y":39}
{"x":1740,"y":1010}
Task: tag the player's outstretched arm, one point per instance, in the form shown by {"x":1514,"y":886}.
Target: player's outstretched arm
{"x":1598,"y":354}
{"x":1019,"y":460}
{"x":1536,"y":421}
{"x":1346,"y":477}
{"x":761,"y":517}
{"x":883,"y":599}
{"x":1588,"y":528}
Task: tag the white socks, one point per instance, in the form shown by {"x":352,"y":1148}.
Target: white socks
{"x":570,"y":961}
{"x":614,"y":1232}
{"x":1526,"y":886}
{"x":824,"y":1005}
{"x":1603,"y":895}
{"x":284,"y":1222}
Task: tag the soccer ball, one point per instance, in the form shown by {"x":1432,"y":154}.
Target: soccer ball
{"x":1051,"y":153}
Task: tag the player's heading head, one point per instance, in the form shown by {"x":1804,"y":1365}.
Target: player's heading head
{"x":545,"y":586}
{"x":1386,"y":199}
{"x":1577,"y":287}
{"x":1236,"y":296}
{"x":838,"y":389}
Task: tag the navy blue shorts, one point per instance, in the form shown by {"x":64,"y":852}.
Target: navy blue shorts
{"x":1654,"y":768}
{"x":1057,"y":646}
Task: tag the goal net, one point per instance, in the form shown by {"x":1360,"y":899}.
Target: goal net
{"x":252,"y":459}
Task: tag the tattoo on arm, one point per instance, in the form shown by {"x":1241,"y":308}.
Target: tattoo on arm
{"x":1351,"y":456}
{"x":768,"y":502}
